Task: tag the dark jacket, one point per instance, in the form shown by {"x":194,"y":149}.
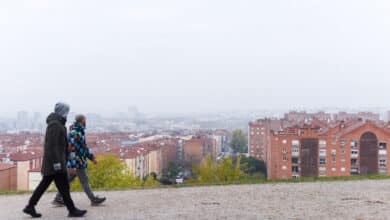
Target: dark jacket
{"x":56,"y":145}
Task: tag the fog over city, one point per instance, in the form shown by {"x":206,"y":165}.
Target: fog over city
{"x":193,"y":56}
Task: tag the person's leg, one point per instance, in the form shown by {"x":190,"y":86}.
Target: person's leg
{"x":42,"y":187}
{"x":62,"y":183}
{"x":70,"y":179}
{"x":83,"y":177}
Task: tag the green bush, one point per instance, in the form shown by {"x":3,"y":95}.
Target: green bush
{"x":112,"y":173}
{"x":211,"y":171}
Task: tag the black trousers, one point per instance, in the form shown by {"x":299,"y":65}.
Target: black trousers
{"x":62,"y":184}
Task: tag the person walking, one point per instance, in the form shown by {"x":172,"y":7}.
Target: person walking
{"x":77,"y":160}
{"x":54,"y":163}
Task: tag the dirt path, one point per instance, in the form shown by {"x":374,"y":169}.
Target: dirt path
{"x":331,"y":200}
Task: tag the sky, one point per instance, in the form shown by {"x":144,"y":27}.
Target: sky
{"x":193,"y":56}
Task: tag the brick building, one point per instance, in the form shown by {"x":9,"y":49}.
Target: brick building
{"x":259,"y":136}
{"x":356,"y":147}
{"x":196,"y":149}
{"x":26,"y":161}
{"x":154,"y":156}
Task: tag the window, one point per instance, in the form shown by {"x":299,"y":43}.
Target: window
{"x":284,"y":168}
{"x":354,"y":153}
{"x":333,"y":159}
{"x":284,"y":158}
{"x":333,"y":152}
{"x":322,"y":153}
{"x":322,"y":161}
{"x":322,"y":143}
{"x":295,"y":143}
{"x":295,"y":151}
{"x":342,"y":160}
{"x":295,"y":160}
{"x":295,"y":169}
{"x":284,"y":150}
{"x":284,"y":141}
{"x":342,"y":169}
{"x":382,"y":145}
{"x":342,"y":143}
{"x":382,"y":163}
{"x":354,"y":144}
{"x":334,"y":169}
{"x":354,"y":162}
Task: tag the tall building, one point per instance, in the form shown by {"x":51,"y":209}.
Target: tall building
{"x":259,"y":136}
{"x":196,"y":149}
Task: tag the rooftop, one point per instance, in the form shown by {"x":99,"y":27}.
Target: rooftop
{"x":4,"y":166}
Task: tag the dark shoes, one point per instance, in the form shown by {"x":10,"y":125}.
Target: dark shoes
{"x":77,"y":213}
{"x":30,"y":210}
{"x":97,"y":201}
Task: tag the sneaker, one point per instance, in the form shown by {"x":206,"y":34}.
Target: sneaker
{"x":58,"y":202}
{"x":97,"y":201}
{"x":77,"y":213}
{"x":30,"y":210}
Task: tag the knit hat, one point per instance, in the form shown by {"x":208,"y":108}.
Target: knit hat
{"x":62,"y":109}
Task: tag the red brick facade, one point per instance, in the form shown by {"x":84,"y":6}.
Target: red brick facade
{"x":339,"y":150}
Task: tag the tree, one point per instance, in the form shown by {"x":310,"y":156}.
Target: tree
{"x":252,"y":166}
{"x":170,"y":173}
{"x":239,"y":142}
{"x":225,"y":170}
{"x":110,"y":173}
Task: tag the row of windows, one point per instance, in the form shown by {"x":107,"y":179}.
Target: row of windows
{"x":322,"y":170}
{"x":323,"y":143}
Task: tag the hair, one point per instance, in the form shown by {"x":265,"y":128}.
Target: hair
{"x":80,"y":118}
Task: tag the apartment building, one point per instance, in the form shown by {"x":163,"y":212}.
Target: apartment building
{"x":342,"y":150}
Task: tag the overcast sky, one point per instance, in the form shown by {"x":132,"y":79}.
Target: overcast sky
{"x":189,"y":56}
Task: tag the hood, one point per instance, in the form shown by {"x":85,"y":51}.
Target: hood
{"x":62,"y":109}
{"x":55,"y":117}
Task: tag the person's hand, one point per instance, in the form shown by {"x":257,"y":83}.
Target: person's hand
{"x":72,"y":171}
{"x":95,"y":161}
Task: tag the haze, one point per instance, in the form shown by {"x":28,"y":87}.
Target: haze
{"x":193,"y":56}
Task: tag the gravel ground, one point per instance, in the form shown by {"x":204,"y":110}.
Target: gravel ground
{"x":355,"y":200}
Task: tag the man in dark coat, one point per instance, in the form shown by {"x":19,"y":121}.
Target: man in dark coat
{"x":54,"y":163}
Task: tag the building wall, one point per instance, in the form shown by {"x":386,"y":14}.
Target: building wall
{"x":196,"y":149}
{"x":22,"y":175}
{"x":258,"y":133}
{"x":34,"y":180}
{"x":131,"y":165}
{"x":8,"y":179}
